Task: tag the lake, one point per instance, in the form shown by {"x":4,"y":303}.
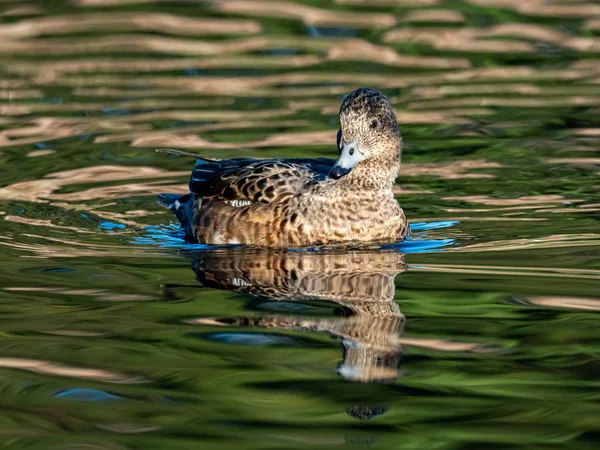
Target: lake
{"x":481,"y":331}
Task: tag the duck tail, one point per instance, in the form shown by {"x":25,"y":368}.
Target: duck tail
{"x":183,"y":208}
{"x":184,"y":153}
{"x":177,"y":203}
{"x":170,"y":201}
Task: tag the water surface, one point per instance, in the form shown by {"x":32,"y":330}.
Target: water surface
{"x":480,"y":332}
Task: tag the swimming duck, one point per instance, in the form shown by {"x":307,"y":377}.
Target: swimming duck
{"x":304,"y":202}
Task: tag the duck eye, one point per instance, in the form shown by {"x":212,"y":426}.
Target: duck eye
{"x":374,"y":124}
{"x":351,"y":151}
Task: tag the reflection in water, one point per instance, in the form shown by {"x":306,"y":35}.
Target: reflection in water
{"x":360,"y":283}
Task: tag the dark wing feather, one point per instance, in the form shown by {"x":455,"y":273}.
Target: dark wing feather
{"x":320,"y":166}
{"x":255,"y":180}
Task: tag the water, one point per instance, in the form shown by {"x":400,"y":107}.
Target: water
{"x":480,"y":332}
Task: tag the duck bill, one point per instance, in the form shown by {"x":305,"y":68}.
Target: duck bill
{"x":350,"y":156}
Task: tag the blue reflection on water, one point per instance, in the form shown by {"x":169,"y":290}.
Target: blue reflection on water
{"x":330,"y":31}
{"x":86,"y":395}
{"x":111,"y":226}
{"x":116,"y":112}
{"x":421,"y":246}
{"x":251,"y":339}
{"x":171,"y":236}
{"x":425,"y":226}
{"x":192,"y":72}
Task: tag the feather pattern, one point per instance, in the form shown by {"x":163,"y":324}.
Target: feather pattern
{"x":253,"y":180}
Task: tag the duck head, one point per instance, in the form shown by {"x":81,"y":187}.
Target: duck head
{"x":368,"y":135}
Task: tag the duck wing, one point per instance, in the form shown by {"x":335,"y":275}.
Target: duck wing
{"x":245,"y":181}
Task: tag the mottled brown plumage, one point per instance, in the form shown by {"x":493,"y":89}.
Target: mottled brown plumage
{"x":304,"y":202}
{"x":360,"y":282}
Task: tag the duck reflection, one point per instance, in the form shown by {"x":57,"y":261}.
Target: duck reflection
{"x":361,"y":283}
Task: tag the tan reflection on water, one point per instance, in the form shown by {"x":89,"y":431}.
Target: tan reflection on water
{"x":512,"y":271}
{"x":23,"y":10}
{"x":458,"y":40}
{"x":47,"y":247}
{"x":36,"y":153}
{"x":94,"y":65}
{"x":405,"y":3}
{"x":360,"y":50}
{"x":361,"y":283}
{"x":587,"y":131}
{"x":110,"y":22}
{"x":98,"y":294}
{"x":526,"y":89}
{"x":450,"y":170}
{"x":130,"y":43}
{"x":310,"y":15}
{"x":45,"y":188}
{"x":527,"y":200}
{"x":581,"y":100}
{"x":114,"y":2}
{"x":510,"y":204}
{"x":433,"y":15}
{"x":55,"y":369}
{"x":574,"y":161}
{"x":478,"y":39}
{"x":43,"y":223}
{"x":549,"y":8}
{"x":551,"y":241}
{"x":586,"y":304}
{"x":592,"y":24}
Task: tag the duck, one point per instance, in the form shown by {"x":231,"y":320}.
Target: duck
{"x":303,"y":202}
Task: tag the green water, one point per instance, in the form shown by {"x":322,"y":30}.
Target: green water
{"x":481,"y":332}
